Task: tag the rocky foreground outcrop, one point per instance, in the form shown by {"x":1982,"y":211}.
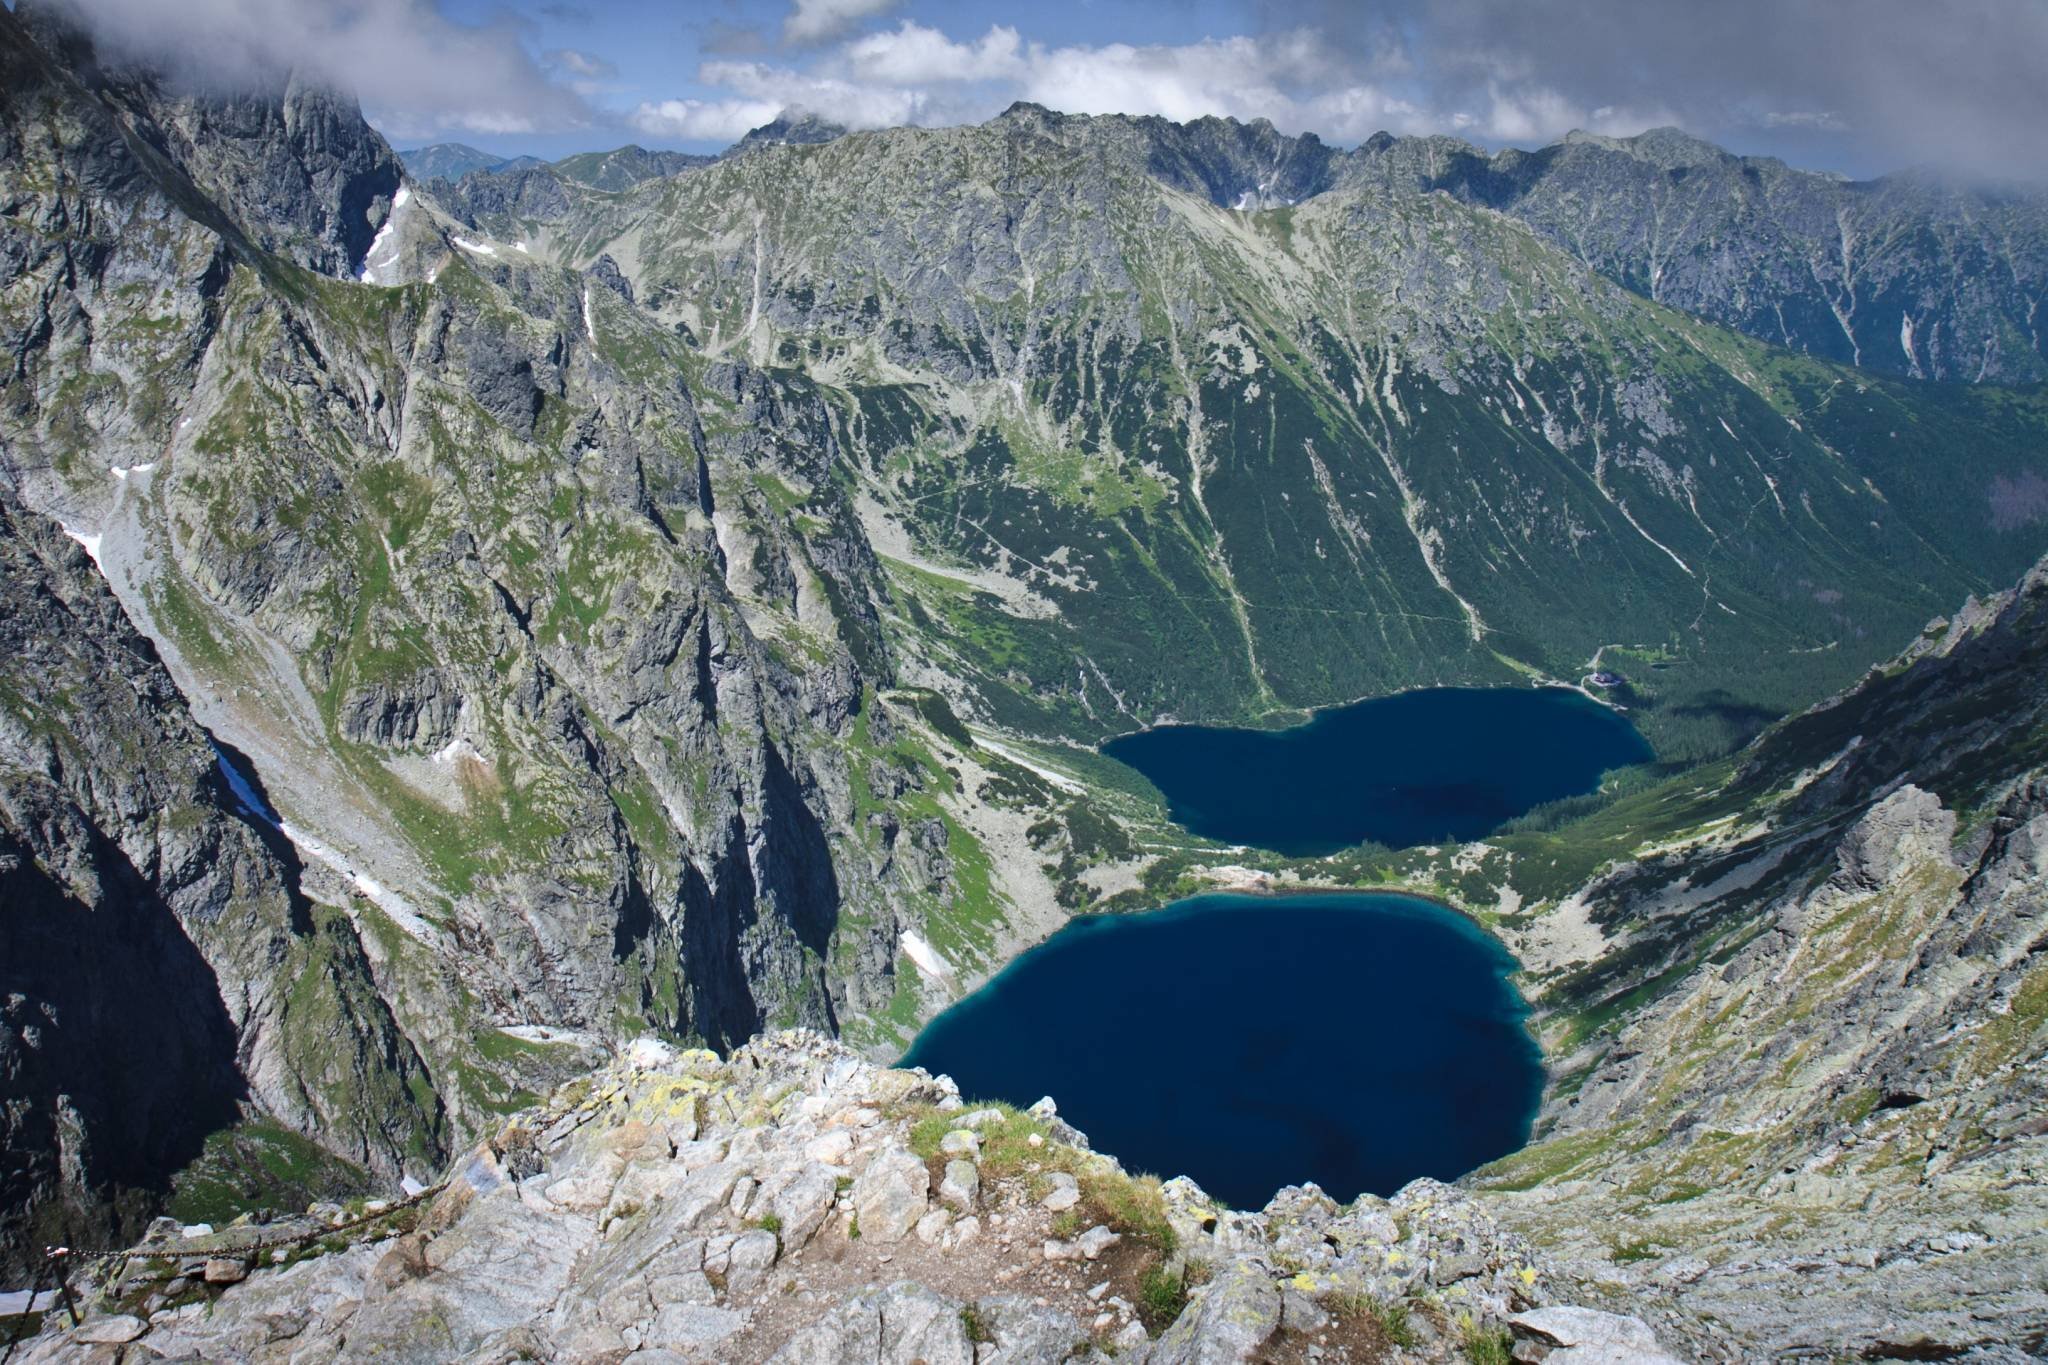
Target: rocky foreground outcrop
{"x":796,"y":1203}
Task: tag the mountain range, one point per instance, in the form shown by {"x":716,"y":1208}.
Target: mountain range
{"x":461,"y":618}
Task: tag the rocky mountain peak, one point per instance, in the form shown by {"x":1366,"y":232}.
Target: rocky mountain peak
{"x":1665,"y":147}
{"x":792,"y":127}
{"x":288,"y":159}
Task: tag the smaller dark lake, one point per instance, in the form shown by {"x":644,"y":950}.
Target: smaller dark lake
{"x":1446,"y":763}
{"x":1250,"y":1042}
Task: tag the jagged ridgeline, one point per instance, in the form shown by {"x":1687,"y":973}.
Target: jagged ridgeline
{"x":609,"y":597}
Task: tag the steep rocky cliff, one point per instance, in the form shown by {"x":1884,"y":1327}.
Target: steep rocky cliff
{"x":437,"y":565}
{"x":165,"y":976}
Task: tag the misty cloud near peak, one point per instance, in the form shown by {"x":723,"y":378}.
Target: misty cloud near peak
{"x":416,"y":72}
{"x":1865,"y":86}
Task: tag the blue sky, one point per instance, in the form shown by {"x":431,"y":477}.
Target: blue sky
{"x":1861,"y":86}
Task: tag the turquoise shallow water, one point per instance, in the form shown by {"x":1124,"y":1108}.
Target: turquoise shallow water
{"x":1414,"y":768}
{"x":1359,"y":1041}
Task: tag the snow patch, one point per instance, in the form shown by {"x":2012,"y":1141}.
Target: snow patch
{"x":477,"y":248}
{"x":454,"y":749}
{"x":589,"y":323}
{"x":927,"y":959}
{"x":122,"y":473}
{"x":91,"y":544}
{"x":383,"y":252}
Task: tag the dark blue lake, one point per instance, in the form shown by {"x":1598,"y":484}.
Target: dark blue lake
{"x":1251,"y":1042}
{"x":1447,"y":763}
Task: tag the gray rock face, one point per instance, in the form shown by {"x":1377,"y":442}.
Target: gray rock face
{"x":1587,"y":1336}
{"x":160,"y":970}
{"x":1901,"y":275}
{"x":1880,"y":951}
{"x":644,"y":824}
{"x":291,"y":158}
{"x":895,"y":1326}
{"x":1227,"y":1321}
{"x":413,"y":713}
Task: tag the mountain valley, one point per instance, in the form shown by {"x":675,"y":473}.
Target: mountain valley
{"x":491,"y":650}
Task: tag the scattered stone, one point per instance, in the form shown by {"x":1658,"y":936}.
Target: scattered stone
{"x":1095,"y":1241}
{"x":1088,"y":1246}
{"x":961,"y":1142}
{"x":1064,"y":1194}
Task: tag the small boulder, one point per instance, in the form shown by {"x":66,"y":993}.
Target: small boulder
{"x":831,"y":1148}
{"x":1570,"y":1335}
{"x":226,"y":1270}
{"x":961,"y":1142}
{"x":1064,"y":1194}
{"x":109,"y":1331}
{"x":1087,"y":1247}
{"x":889,"y":1196}
{"x":1095,"y":1241}
{"x":749,"y":1261}
{"x":961,"y":1187}
{"x":904,"y":1322}
{"x":1019,"y":1330}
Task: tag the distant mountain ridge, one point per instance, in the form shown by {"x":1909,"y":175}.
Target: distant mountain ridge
{"x":1901,"y":275}
{"x":453,"y":160}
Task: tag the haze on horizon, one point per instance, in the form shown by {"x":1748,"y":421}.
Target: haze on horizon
{"x":1857,"y":86}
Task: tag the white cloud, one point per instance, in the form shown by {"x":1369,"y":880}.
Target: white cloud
{"x":702,"y":120}
{"x":857,"y":104}
{"x":585,"y":64}
{"x":415,"y":71}
{"x":760,"y":91}
{"x":914,"y":53}
{"x":918,"y":74}
{"x":819,"y":21}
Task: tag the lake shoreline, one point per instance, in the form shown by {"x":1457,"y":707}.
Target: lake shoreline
{"x":1430,"y":766}
{"x":1261,"y":983}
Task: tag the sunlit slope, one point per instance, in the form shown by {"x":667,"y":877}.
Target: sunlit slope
{"x":1143,"y":455}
